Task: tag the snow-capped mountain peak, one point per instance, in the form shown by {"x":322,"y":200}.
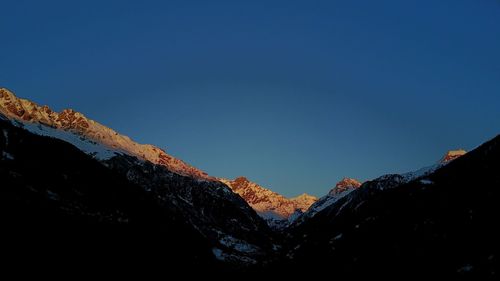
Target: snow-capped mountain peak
{"x":304,"y":201}
{"x":86,"y":134}
{"x":446,"y":159}
{"x":345,"y":184}
{"x":341,"y":189}
{"x":274,"y":207}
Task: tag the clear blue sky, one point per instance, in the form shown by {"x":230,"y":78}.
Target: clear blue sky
{"x":292,"y":94}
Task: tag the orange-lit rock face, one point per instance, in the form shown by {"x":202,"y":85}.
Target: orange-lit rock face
{"x":452,"y":155}
{"x":267,"y":203}
{"x":345,"y":184}
{"x":75,"y":122}
{"x":71,"y":120}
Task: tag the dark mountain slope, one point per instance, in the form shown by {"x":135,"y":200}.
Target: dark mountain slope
{"x":445,"y":224}
{"x":238,"y":235}
{"x":59,"y":206}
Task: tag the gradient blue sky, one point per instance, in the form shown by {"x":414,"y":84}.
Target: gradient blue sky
{"x":294,"y":95}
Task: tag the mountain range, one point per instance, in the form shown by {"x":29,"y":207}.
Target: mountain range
{"x":75,"y":188}
{"x":104,"y":143}
{"x":276,"y":209}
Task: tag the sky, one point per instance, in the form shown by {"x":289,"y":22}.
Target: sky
{"x":294,"y":95}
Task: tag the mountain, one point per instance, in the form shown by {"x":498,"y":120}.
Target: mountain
{"x":98,"y":140}
{"x":347,"y":185}
{"x":344,"y":185}
{"x":341,"y":189}
{"x":442,"y":224}
{"x":303,"y":201}
{"x":104,"y":143}
{"x":55,"y":165}
{"x":447,"y":158}
{"x":273,"y":207}
{"x":77,"y":196}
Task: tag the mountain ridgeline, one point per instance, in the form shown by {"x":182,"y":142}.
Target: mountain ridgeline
{"x":55,"y":179}
{"x":94,"y":199}
{"x":276,"y":209}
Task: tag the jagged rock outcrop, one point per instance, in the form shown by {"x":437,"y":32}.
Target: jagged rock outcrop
{"x":452,"y":155}
{"x":275,"y":208}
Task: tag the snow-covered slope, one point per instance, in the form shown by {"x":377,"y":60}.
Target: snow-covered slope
{"x":447,"y":158}
{"x":86,"y":134}
{"x":341,"y":189}
{"x":275,"y":208}
{"x":344,"y":185}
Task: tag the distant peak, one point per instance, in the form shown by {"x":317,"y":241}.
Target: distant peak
{"x":305,"y":196}
{"x":452,"y":155}
{"x":241,"y":179}
{"x":348,"y":182}
{"x":68,"y":111}
{"x":4,"y":92}
{"x":345,"y":184}
{"x":267,"y":203}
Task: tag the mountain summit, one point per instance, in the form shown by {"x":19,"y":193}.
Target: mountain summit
{"x":452,"y":155}
{"x":341,"y":189}
{"x":274,"y":207}
{"x":344,"y":185}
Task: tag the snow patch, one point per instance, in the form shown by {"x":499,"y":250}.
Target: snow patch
{"x":226,"y":257}
{"x":466,"y":268}
{"x":99,"y":151}
{"x":420,"y":173}
{"x":237,"y":244}
{"x":218,"y":254}
{"x":7,"y":156}
{"x":344,"y":205}
{"x":426,"y":181}
{"x":6,"y":136}
{"x":52,"y":195}
{"x":270,"y":215}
